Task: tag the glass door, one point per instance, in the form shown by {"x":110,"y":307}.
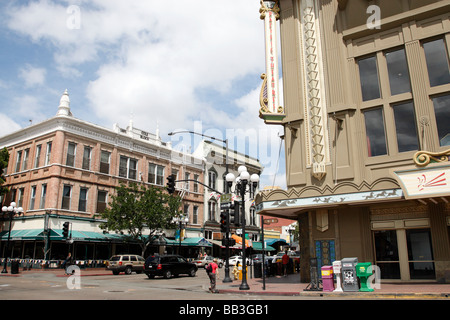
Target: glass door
{"x":420,"y":254}
{"x":386,"y":253}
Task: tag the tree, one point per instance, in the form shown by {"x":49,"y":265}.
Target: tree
{"x":141,"y":212}
{"x":4,"y":159}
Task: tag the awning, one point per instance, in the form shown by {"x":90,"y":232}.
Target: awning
{"x":57,"y":235}
{"x":272,"y":241}
{"x":238,"y":239}
{"x":189,"y":242}
{"x":257,"y":246}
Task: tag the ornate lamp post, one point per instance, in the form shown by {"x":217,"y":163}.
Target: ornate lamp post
{"x":242,"y":181}
{"x":11,"y":211}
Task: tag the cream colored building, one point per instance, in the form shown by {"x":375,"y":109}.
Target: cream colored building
{"x":366,"y":114}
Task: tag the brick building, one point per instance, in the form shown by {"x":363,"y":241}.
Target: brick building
{"x":65,"y":169}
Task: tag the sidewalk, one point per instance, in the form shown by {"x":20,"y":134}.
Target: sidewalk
{"x":291,"y":286}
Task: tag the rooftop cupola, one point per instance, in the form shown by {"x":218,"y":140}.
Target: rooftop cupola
{"x":64,"y":105}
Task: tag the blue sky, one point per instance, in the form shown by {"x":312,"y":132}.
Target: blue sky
{"x":163,"y":63}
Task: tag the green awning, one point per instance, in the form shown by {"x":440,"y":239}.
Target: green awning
{"x":257,"y":246}
{"x":189,"y":242}
{"x":57,"y":235}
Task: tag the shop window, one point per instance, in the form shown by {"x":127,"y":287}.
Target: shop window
{"x":437,"y":62}
{"x":405,"y":126}
{"x":368,"y":74}
{"x":442,"y":112}
{"x":375,"y":132}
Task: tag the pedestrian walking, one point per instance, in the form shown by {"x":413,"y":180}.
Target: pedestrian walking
{"x":67,"y":263}
{"x":285,"y":261}
{"x":213,"y":272}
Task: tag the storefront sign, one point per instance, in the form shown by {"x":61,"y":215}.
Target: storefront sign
{"x":430,"y":182}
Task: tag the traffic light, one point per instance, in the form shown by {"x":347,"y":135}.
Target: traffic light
{"x":171,"y":184}
{"x":234,"y":214}
{"x":223,"y":220}
{"x":66,"y":229}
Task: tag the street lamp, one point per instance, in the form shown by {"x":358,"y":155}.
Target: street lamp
{"x":12,"y":210}
{"x":182,"y":221}
{"x":227,"y":277}
{"x":242,"y":181}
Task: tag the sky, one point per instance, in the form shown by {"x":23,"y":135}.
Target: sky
{"x":172,"y":64}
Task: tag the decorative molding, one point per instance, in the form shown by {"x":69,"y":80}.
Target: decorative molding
{"x":423,"y":158}
{"x":264,"y":9}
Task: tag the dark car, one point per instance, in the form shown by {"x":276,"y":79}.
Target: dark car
{"x":168,"y":266}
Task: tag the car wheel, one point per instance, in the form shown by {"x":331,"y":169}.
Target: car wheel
{"x":192,"y":272}
{"x":150,"y":276}
{"x":115,"y":272}
{"x":128,"y":270}
{"x":168,"y":274}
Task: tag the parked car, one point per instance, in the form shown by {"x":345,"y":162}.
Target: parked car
{"x":235,"y":259}
{"x":126,"y":263}
{"x":203,"y":261}
{"x":169,"y":266}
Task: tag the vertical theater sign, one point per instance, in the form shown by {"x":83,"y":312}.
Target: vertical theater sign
{"x":271,"y":111}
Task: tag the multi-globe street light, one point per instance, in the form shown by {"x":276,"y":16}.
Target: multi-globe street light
{"x":11,"y":211}
{"x":241,"y":183}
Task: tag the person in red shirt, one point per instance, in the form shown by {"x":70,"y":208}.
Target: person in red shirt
{"x":285,"y":261}
{"x":213,"y":275}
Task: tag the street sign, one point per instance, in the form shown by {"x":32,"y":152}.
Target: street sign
{"x":225,"y":198}
{"x":225,"y":206}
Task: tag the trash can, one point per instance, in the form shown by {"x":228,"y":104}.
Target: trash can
{"x":349,"y":278}
{"x":364,"y":271}
{"x":327,"y":278}
{"x":337,"y":267}
{"x":257,"y":269}
{"x":14,"y":267}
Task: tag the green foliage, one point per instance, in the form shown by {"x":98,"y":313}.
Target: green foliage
{"x":141,"y":212}
{"x":4,"y":159}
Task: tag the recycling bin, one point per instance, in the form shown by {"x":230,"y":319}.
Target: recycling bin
{"x":364,"y":271}
{"x":257,"y":269}
{"x":327,"y":278}
{"x":349,"y":278}
{"x":337,"y":267}
{"x":14,"y":267}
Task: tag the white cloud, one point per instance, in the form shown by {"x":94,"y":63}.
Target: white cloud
{"x":8,"y":125}
{"x":33,"y":76}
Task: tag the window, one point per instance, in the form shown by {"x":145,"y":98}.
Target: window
{"x":187,"y":176}
{"x":405,"y":126}
{"x":82,"y":201}
{"x":105,"y":157}
{"x":71,"y":149}
{"x":212,"y":176}
{"x":437,"y":62}
{"x":127,"y":168}
{"x":212,"y":210}
{"x":368,"y":73}
{"x":442,"y":113}
{"x":20,"y":200}
{"x":186,"y":210}
{"x":26,"y":153}
{"x":195,"y":215}
{"x":87,"y":158}
{"x":18,"y":160}
{"x":48,"y":153}
{"x":37,"y":156}
{"x":420,"y":254}
{"x":32,"y":197}
{"x":67,"y":194}
{"x":155,"y":174}
{"x":386,"y":252}
{"x":43,"y":196}
{"x":101,"y":201}
{"x":398,"y":72}
{"x":375,"y":132}
{"x":195,"y":183}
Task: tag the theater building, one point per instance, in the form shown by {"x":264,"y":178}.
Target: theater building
{"x":366,"y":116}
{"x":65,"y":170}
